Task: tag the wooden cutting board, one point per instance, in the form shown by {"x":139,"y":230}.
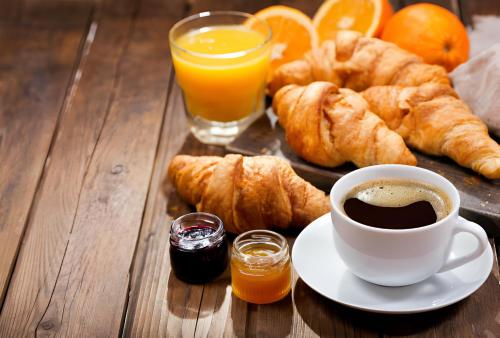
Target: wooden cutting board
{"x":480,"y":197}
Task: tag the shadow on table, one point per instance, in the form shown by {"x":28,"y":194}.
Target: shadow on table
{"x":324,"y":315}
{"x":267,"y":320}
{"x":191,"y":301}
{"x":183,"y":299}
{"x":193,"y":147}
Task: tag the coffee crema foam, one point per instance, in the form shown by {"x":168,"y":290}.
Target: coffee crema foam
{"x":399,"y":193}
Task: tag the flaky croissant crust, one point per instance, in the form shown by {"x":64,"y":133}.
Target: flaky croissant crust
{"x":261,"y":192}
{"x":432,"y":119}
{"x":358,"y":62}
{"x":329,"y":126}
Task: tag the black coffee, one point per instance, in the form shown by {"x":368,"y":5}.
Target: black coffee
{"x":396,"y":204}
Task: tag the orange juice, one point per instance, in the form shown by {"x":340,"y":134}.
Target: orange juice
{"x":222,"y":71}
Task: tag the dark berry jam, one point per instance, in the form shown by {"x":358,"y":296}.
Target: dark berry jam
{"x":197,"y":232}
{"x":198,"y":247}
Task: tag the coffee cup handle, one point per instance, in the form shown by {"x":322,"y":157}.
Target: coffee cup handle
{"x":474,"y":229}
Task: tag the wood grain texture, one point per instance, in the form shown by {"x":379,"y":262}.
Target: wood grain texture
{"x":306,"y":313}
{"x":11,"y":11}
{"x":36,"y":63}
{"x":46,"y":13}
{"x":196,"y":6}
{"x":90,"y":295}
{"x":475,"y":316}
{"x":303,"y":313}
{"x":161,"y":305}
{"x":52,"y":217}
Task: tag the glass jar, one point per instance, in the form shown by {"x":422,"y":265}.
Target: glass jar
{"x":261,"y":271}
{"x":198,"y":247}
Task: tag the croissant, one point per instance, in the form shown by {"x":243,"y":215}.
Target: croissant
{"x":330,"y":126}
{"x":247,"y":193}
{"x":357,"y":62}
{"x":432,"y":119}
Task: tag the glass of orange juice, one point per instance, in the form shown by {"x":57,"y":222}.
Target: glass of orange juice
{"x":221,"y":61}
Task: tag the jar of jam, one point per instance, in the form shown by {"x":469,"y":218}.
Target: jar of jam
{"x":261,"y":271}
{"x":198,"y":247}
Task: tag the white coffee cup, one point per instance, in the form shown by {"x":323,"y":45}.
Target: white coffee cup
{"x":400,"y":257}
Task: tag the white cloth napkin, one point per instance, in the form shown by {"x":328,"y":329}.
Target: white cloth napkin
{"x":477,"y":82}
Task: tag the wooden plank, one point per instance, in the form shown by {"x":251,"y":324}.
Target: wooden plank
{"x":223,"y":314}
{"x":59,"y":13}
{"x":52,"y":217}
{"x":303,"y":313}
{"x":36,"y":64}
{"x":90,"y":295}
{"x":11,"y":10}
{"x":475,"y":316}
{"x":160,"y":304}
{"x":326,"y":318}
{"x":197,"y":6}
{"x":308,"y":314}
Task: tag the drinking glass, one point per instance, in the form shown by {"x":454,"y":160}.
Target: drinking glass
{"x":221,"y":60}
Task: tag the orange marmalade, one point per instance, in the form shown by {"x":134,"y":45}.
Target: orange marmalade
{"x":261,"y":271}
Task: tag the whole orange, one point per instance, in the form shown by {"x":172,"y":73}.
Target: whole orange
{"x":430,"y":31}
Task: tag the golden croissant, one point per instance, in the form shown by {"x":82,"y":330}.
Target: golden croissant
{"x":432,"y":118}
{"x":358,"y":62}
{"x":329,"y":126}
{"x":260,"y":192}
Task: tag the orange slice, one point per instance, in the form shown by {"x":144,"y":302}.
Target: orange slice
{"x":293,"y":33}
{"x":365,"y":16}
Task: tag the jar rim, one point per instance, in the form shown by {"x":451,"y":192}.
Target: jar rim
{"x":268,"y":234}
{"x":219,"y":231}
{"x":230,"y":55}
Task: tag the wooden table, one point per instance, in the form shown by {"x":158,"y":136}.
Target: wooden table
{"x":89,"y":118}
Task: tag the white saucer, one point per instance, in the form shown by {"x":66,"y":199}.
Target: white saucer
{"x":318,"y":264}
